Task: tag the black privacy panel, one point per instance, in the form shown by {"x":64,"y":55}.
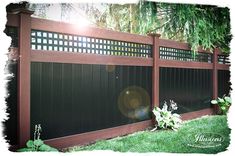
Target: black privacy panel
{"x":224,"y":83}
{"x":69,"y":99}
{"x":191,"y":89}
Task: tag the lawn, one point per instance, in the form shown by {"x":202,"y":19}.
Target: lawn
{"x":168,"y":140}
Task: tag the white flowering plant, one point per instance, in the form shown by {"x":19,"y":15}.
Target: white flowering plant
{"x":37,"y":144}
{"x":165,"y":118}
{"x":224,"y":103}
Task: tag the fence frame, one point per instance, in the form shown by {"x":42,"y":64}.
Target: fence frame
{"x":22,"y":19}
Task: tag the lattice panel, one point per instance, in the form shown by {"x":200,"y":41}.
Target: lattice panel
{"x":43,"y":40}
{"x":13,"y":33}
{"x":183,"y":55}
{"x":223,"y":59}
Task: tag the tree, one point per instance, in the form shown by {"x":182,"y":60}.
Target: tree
{"x":199,"y":25}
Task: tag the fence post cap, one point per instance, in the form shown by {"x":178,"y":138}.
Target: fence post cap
{"x":217,"y":50}
{"x":154,"y":35}
{"x":22,"y":10}
{"x":21,"y":7}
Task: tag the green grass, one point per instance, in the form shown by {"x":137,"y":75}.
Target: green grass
{"x":167,"y":140}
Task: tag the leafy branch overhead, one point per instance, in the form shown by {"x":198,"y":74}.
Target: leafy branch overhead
{"x":206,"y":26}
{"x":199,"y":25}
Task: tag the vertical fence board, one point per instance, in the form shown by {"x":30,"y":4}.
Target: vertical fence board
{"x":69,"y":99}
{"x":224,"y":84}
{"x":186,"y":88}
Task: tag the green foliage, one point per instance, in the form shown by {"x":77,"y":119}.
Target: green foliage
{"x":167,"y":141}
{"x":37,"y":144}
{"x":164,"y":117}
{"x":200,"y":25}
{"x":224,"y":103}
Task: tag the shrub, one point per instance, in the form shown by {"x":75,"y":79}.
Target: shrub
{"x":37,"y":144}
{"x":165,"y":118}
{"x":224,"y":103}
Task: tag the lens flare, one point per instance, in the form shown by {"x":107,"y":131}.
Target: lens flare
{"x":110,"y":68}
{"x":134,"y":103}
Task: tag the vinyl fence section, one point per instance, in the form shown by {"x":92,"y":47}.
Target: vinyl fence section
{"x":85,"y":84}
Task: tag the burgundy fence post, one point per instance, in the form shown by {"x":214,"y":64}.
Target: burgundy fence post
{"x":155,"y":71}
{"x":23,"y":82}
{"x":215,"y":76}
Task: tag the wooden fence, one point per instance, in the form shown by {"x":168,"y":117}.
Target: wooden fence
{"x":66,"y":74}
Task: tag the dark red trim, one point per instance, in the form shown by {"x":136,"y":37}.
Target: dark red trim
{"x":90,"y":137}
{"x":173,"y":44}
{"x":185,"y":64}
{"x":12,"y":20}
{"x":24,"y":78}
{"x":223,"y":66}
{"x":215,"y":74}
{"x":83,"y":58}
{"x":220,"y":52}
{"x":179,"y":45}
{"x":196,"y":114}
{"x":215,"y":77}
{"x":155,"y":71}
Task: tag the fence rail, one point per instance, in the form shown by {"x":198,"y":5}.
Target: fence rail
{"x":48,"y":51}
{"x":65,"y":28}
{"x":64,"y":57}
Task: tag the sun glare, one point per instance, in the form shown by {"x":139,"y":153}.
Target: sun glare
{"x":81,"y":22}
